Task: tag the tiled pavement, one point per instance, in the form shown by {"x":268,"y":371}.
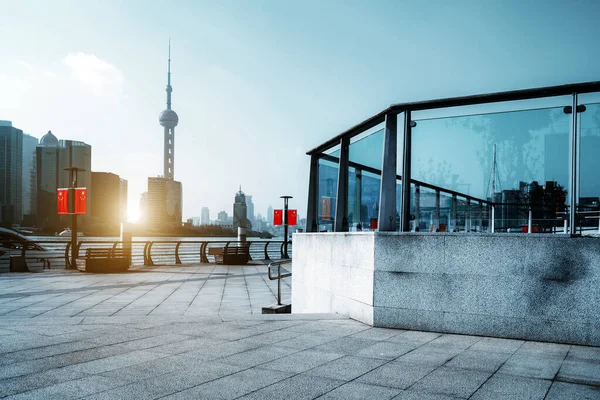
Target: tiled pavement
{"x":190,"y":332}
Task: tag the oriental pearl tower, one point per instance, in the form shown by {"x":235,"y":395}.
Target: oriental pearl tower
{"x":169,"y":119}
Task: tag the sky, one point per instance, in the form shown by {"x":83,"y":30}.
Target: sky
{"x":256,"y":84}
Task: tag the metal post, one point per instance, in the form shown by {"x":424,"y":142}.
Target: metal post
{"x":436,"y":223}
{"x":313,"y":196}
{"x":565,"y":223}
{"x":358,"y":196}
{"x":493,"y":218}
{"x":406,"y":161}
{"x":480,"y":216}
{"x":468,"y":216}
{"x":417,"y":222}
{"x":529,"y":221}
{"x":574,"y":165}
{"x":453,"y":213}
{"x":285,"y":225}
{"x":341,"y":203}
{"x":387,"y":188}
{"x":73,"y":221}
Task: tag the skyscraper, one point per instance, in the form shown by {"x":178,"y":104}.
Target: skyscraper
{"x":52,"y":157}
{"x":165,"y":193}
{"x":240,"y":211}
{"x":270,"y":215}
{"x":29,"y":170}
{"x":108,"y":209}
{"x":11,"y":170}
{"x":250,"y":208}
{"x":205,"y":216}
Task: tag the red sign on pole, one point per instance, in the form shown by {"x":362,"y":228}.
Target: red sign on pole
{"x":277,"y":217}
{"x":62,"y":200}
{"x":80,"y":200}
{"x":292,"y":217}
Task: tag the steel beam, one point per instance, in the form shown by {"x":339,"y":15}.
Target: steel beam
{"x":387,"y":189}
{"x":406,"y":161}
{"x":341,"y":203}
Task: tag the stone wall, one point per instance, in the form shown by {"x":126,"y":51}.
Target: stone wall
{"x":333,"y":273}
{"x":538,"y":287}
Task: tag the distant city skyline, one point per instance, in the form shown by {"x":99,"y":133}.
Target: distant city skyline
{"x":257,"y":88}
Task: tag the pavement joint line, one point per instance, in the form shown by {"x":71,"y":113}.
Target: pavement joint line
{"x":435,"y":369}
{"x":159,"y":304}
{"x":64,"y":304}
{"x":200,"y":288}
{"x":498,"y":369}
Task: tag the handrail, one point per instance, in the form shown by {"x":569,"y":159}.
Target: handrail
{"x":279,"y":276}
{"x":514,"y":95}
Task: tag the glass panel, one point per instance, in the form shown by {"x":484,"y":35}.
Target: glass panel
{"x":364,"y":181}
{"x":328,"y":178}
{"x":589,"y":169}
{"x":513,"y":159}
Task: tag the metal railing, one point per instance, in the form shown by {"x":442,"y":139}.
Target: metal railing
{"x":279,"y":276}
{"x":146,"y":253}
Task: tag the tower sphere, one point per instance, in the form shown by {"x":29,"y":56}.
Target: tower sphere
{"x":168,"y":118}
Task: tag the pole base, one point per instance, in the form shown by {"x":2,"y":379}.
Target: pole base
{"x":278,"y":309}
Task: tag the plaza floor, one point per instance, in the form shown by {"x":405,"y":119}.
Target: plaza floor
{"x":196,"y":331}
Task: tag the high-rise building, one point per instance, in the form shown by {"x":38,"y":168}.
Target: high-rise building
{"x":250,"y":208}
{"x":164,"y":203}
{"x":29,"y":170}
{"x":52,"y":159}
{"x":270,"y":215}
{"x":165,"y":193}
{"x":144,"y":207}
{"x":11,"y":171}
{"x":240,"y":211}
{"x":222,"y":216}
{"x":205,"y":216}
{"x":109,"y":203}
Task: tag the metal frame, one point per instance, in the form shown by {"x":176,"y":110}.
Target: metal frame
{"x":386,"y":116}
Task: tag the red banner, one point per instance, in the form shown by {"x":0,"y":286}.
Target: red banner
{"x":62,"y":200}
{"x":373,"y":223}
{"x":292,"y":217}
{"x":80,"y":200}
{"x":277,"y":217}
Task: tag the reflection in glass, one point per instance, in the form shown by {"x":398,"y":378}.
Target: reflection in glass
{"x":589,"y":169}
{"x":531,"y":171}
{"x":328,"y":177}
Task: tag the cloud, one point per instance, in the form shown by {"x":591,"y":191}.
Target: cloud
{"x":98,"y":76}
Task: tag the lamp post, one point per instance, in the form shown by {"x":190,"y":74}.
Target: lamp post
{"x":285,"y":225}
{"x":73,"y":179}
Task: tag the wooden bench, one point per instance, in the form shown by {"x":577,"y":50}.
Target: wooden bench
{"x":230,"y":255}
{"x":105,"y":260}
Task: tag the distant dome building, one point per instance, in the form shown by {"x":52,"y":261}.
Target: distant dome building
{"x":168,"y":119}
{"x":49,"y":140}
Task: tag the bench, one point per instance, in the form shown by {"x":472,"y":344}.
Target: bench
{"x":105,"y":260}
{"x":230,"y":255}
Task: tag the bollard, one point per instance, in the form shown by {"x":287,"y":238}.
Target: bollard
{"x":529,"y":222}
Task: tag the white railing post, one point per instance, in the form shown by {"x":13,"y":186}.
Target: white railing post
{"x":529,"y":221}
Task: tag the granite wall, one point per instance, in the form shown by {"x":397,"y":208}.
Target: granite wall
{"x":538,"y":287}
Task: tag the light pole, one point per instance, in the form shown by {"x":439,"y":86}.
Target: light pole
{"x":285,"y":225}
{"x":73,"y":179}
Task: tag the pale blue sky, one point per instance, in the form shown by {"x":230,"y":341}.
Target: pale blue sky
{"x":258,"y":83}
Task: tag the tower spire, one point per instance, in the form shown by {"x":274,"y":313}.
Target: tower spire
{"x":169,"y":88}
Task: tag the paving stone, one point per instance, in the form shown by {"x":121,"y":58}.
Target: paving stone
{"x":258,"y":356}
{"x":386,"y":350}
{"x":478,"y":360}
{"x":359,"y":391}
{"x":73,"y":389}
{"x":345,"y":345}
{"x":232,"y":386}
{"x":536,"y":366}
{"x":396,"y":375}
{"x":562,"y":390}
{"x":298,"y":387}
{"x":452,"y":382}
{"x":580,"y":371}
{"x":511,"y":387}
{"x":412,"y":395}
{"x":346,"y":368}
{"x":301,"y":361}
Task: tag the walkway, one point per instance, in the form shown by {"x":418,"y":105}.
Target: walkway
{"x":190,"y":332}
